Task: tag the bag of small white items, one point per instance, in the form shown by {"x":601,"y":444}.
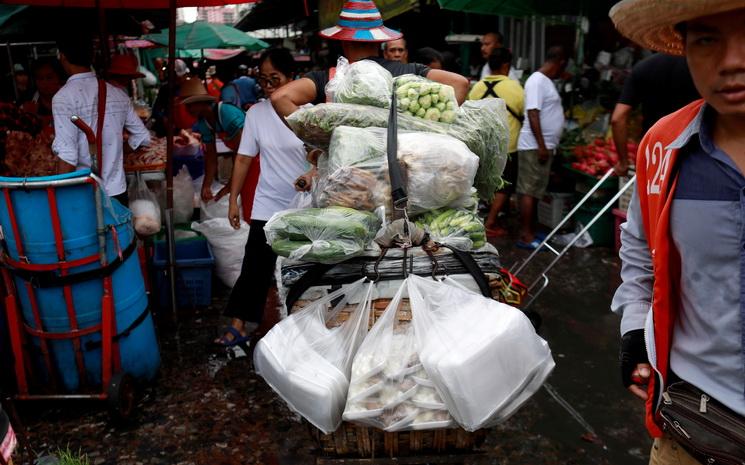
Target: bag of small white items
{"x":484,"y":357}
{"x":307,"y":363}
{"x":144,"y":207}
{"x":390,"y":390}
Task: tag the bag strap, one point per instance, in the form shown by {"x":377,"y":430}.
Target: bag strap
{"x":93,"y":345}
{"x":398,"y":188}
{"x":491,"y":91}
{"x":469,"y":263}
{"x":99,"y":125}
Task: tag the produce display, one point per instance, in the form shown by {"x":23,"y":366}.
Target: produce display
{"x":439,"y":170}
{"x":325,"y":235}
{"x":363,"y":82}
{"x":481,"y":125}
{"x":152,"y":156}
{"x":426,"y":99}
{"x":458,"y":228}
{"x":597,"y":158}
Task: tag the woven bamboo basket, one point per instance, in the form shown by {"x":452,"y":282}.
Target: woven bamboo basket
{"x":366,"y":442}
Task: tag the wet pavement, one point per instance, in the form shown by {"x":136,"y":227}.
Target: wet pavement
{"x":209,"y":408}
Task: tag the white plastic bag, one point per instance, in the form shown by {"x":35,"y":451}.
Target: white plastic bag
{"x":145,"y":208}
{"x":183,"y":196}
{"x":389,"y":388}
{"x":484,"y":357}
{"x":363,"y":82}
{"x":228,"y":246}
{"x":308,"y":364}
{"x":216,"y":209}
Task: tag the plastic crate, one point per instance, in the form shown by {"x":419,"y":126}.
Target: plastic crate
{"x":625,"y":199}
{"x":553,"y":208}
{"x":194,"y":261}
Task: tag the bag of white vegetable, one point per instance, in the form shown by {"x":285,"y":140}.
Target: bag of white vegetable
{"x":183,"y":196}
{"x":389,"y":389}
{"x":144,"y":207}
{"x":484,"y":357}
{"x":439,"y":170}
{"x":228,"y":245}
{"x":307,"y":363}
{"x":363,"y":82}
{"x":420,"y":97}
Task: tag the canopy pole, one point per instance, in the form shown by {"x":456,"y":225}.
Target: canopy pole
{"x":12,"y":72}
{"x":103,"y":38}
{"x":169,"y":155}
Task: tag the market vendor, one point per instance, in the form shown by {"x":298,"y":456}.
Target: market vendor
{"x":360,"y":30}
{"x":48,"y":77}
{"x":218,"y":119}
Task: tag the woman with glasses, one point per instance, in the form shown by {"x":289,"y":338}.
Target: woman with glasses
{"x":282,"y":161}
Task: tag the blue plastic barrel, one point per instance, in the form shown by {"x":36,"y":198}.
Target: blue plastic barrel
{"x":139,"y":352}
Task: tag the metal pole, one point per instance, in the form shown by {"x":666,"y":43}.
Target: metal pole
{"x":12,"y":72}
{"x":169,"y":155}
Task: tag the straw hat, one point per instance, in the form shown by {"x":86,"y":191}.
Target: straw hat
{"x":651,"y":23}
{"x":360,"y":21}
{"x":124,"y":65}
{"x":193,"y":91}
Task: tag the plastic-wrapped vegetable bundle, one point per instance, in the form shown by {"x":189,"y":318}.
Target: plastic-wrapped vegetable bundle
{"x":325,"y":235}
{"x":458,"y":228}
{"x":389,"y":389}
{"x":439,"y":170}
{"x":420,"y":97}
{"x":481,"y":125}
{"x":363,"y":82}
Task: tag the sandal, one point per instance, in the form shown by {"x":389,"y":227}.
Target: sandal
{"x":238,"y":338}
{"x":529,"y":245}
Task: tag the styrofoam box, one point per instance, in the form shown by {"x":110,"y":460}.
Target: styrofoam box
{"x":553,"y":208}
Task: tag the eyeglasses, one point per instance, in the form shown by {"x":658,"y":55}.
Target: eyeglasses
{"x":275,"y":81}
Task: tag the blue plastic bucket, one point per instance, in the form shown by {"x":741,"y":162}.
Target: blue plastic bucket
{"x":139,"y":352}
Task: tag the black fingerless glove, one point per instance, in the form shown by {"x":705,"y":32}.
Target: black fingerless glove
{"x":633,"y":352}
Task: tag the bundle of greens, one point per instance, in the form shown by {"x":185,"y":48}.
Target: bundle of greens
{"x":458,"y":228}
{"x":363,"y":82}
{"x":426,"y":99}
{"x":325,"y":235}
{"x":481,"y":125}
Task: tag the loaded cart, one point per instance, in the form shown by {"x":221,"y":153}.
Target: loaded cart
{"x":75,"y":300}
{"x":400,"y":350}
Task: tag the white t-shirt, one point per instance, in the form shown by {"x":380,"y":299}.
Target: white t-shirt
{"x":282,"y":159}
{"x":541,"y":94}
{"x":486,"y":71}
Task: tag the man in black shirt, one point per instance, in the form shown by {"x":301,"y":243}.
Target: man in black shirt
{"x":661,"y":84}
{"x":360,"y":30}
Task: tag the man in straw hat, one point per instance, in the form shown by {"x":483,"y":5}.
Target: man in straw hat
{"x":361,"y":31}
{"x":682,"y":299}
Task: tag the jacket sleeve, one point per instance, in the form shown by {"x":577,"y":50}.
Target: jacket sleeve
{"x":633,"y":298}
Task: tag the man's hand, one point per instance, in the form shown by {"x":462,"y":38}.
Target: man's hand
{"x":234,"y":215}
{"x":635,"y":367}
{"x":543,"y":155}
{"x":621,"y":168}
{"x":207,"y":191}
{"x":305,"y":182}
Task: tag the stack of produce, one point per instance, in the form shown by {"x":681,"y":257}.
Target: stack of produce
{"x":423,"y":98}
{"x":598,"y":157}
{"x":459,"y":228}
{"x":324,"y":235}
{"x":480,"y":124}
{"x":439,"y":170}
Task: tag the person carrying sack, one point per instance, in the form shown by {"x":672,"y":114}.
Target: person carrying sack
{"x":683,"y":250}
{"x":499,"y":85}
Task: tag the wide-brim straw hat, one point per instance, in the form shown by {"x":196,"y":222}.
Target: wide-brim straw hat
{"x":651,"y":23}
{"x":360,"y":21}
{"x":193,"y":91}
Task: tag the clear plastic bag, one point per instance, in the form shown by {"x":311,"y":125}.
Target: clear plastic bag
{"x":363,"y":82}
{"x":183,"y":196}
{"x":145,"y":209}
{"x":216,"y":209}
{"x":228,"y":245}
{"x":461,"y":229}
{"x":439,"y":170}
{"x":307,"y":363}
{"x":324,"y":235}
{"x":483,"y":357}
{"x":422,"y":98}
{"x":389,"y":389}
{"x":480,"y":124}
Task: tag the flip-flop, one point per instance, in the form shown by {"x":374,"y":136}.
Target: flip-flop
{"x":529,"y":245}
{"x":238,"y":338}
{"x":496,"y":232}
